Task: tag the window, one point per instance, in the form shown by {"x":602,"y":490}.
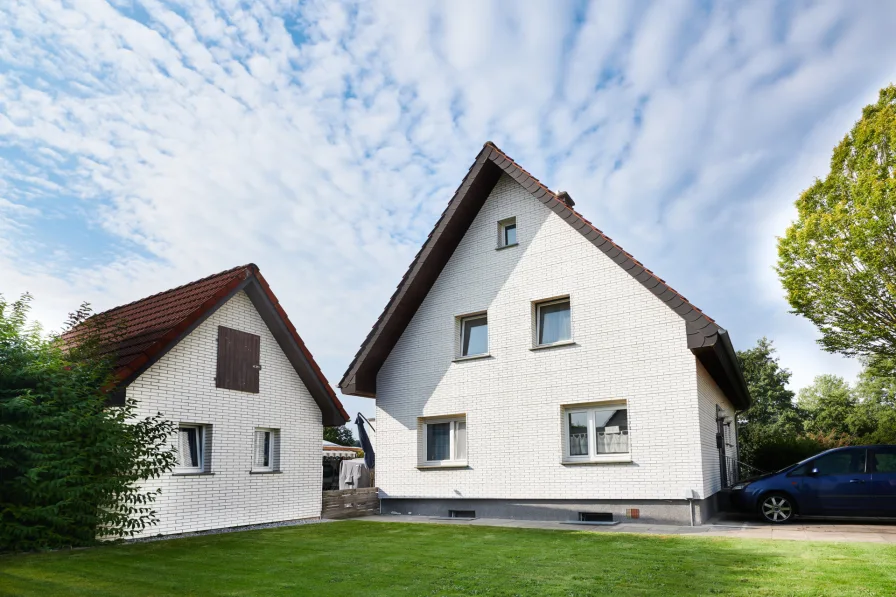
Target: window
{"x":474,"y":335}
{"x":266,"y":450}
{"x":239,"y":360}
{"x":190,"y":448}
{"x":843,"y":462}
{"x":507,"y":233}
{"x":885,"y":460}
{"x":552,"y":321}
{"x":596,"y":432}
{"x":446,"y":441}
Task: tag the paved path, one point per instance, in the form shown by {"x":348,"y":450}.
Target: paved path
{"x":739,"y":528}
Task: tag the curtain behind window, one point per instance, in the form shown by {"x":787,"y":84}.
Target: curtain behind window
{"x":554,"y":324}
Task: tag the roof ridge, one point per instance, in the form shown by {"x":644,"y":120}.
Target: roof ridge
{"x":248,"y":266}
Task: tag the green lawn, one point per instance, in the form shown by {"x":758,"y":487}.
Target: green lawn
{"x":369,"y":558}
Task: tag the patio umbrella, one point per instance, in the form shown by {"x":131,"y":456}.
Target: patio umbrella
{"x":369,"y":456}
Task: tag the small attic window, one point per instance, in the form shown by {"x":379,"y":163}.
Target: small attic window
{"x":507,"y":233}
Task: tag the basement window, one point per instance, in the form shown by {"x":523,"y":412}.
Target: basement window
{"x":595,"y":517}
{"x":462,"y":514}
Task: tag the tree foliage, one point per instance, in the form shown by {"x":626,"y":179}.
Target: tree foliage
{"x":70,"y":467}
{"x":772,"y":414}
{"x":341,"y":435}
{"x":838,"y":260}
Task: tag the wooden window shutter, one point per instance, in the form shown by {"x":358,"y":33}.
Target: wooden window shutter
{"x":239,"y":360}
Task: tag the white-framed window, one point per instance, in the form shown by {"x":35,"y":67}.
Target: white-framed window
{"x":445,"y":441}
{"x":507,"y":233}
{"x":265,"y":450}
{"x":190,"y":449}
{"x":553,"y":323}
{"x":596,"y":432}
{"x":474,"y":335}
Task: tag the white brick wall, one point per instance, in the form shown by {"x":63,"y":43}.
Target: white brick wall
{"x":181,"y":385}
{"x":710,"y":395}
{"x":628,"y":345}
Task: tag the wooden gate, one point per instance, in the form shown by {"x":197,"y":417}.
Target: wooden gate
{"x":350,"y":503}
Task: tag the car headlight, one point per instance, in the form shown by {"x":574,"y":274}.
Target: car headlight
{"x":739,"y":486}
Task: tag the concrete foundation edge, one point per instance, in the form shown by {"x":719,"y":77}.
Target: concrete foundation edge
{"x":635,"y":511}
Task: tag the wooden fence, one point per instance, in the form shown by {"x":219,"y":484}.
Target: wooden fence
{"x":350,"y":503}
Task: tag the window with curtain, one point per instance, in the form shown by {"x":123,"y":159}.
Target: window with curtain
{"x":597,"y":432}
{"x":265,"y":450}
{"x":553,"y":322}
{"x":446,"y":441}
{"x":474,"y":335}
{"x":189,"y":448}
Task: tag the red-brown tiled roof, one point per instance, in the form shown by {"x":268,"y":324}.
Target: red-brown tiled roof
{"x":140,"y":332}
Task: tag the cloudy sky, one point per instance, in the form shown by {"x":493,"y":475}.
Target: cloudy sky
{"x":147,"y":143}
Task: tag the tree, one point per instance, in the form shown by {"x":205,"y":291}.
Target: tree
{"x":829,"y":406}
{"x":71,"y":468}
{"x":837,"y":262}
{"x":341,"y":435}
{"x":875,"y":391}
{"x":772,"y":416}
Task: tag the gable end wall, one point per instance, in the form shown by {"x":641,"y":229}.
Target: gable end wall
{"x":629,"y":344}
{"x":181,"y":385}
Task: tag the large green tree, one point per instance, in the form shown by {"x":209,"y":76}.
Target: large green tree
{"x":829,"y":405}
{"x":838,"y":260}
{"x":772,"y":417}
{"x":71,"y":468}
{"x":341,"y":435}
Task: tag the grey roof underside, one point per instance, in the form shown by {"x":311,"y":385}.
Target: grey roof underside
{"x":705,"y":338}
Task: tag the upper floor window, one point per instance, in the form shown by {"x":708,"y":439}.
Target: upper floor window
{"x":239,"y":360}
{"x":596,"y":432}
{"x":552,"y":322}
{"x":474,"y":335}
{"x":507,"y":233}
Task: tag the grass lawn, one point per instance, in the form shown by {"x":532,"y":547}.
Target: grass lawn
{"x":370,"y":558}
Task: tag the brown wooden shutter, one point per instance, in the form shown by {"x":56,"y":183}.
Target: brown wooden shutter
{"x":239,"y":360}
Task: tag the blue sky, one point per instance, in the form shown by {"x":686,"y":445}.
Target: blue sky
{"x":145,"y":144}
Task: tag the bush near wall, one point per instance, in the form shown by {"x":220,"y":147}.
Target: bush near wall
{"x":69,"y":465}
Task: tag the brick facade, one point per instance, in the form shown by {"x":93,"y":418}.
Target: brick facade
{"x":628,"y":345}
{"x":181,"y":385}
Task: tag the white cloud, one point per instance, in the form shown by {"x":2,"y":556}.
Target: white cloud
{"x":146,"y":144}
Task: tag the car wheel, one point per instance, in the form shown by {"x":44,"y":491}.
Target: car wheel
{"x":777,"y":508}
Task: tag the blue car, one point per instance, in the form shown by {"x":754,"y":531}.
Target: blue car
{"x":854,"y":481}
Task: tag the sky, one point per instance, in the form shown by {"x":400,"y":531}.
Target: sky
{"x":147,"y":143}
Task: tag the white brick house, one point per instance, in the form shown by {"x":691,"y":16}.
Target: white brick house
{"x":220,"y":359}
{"x":527,"y":367}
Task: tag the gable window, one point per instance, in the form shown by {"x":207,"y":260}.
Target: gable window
{"x":445,"y":441}
{"x":596,"y":432}
{"x":239,"y":360}
{"x":507,"y":233}
{"x":266,"y":449}
{"x":190,"y":449}
{"x":474,"y":335}
{"x":552,"y":322}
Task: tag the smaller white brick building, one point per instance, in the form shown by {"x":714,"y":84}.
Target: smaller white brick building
{"x":528,"y":367}
{"x":220,"y":359}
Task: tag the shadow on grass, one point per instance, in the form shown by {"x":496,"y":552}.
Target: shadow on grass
{"x":365,"y":558}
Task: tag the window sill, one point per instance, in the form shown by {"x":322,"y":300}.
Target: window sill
{"x":507,"y":246}
{"x":189,"y":474}
{"x":472,"y":357}
{"x":265,"y":472}
{"x":457,"y":464}
{"x":554,"y":345}
{"x":622,"y":458}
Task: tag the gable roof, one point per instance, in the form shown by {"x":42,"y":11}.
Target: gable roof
{"x":140,"y":333}
{"x":706,"y":339}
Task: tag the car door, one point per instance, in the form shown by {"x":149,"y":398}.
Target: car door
{"x":883,"y":480}
{"x":837,"y":484}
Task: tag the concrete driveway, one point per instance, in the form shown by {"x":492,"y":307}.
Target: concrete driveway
{"x":724,"y":526}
